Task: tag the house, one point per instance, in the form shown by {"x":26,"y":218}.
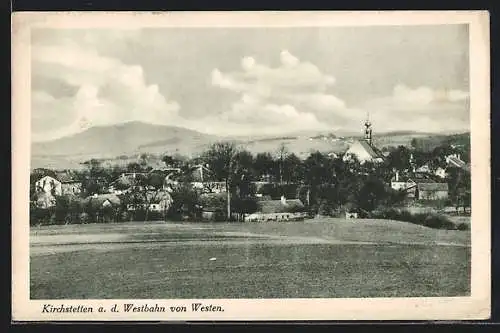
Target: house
{"x":98,"y":202}
{"x":156,"y":201}
{"x":424,"y":169}
{"x":431,"y":190}
{"x":69,"y":185}
{"x":103,"y":207}
{"x":49,"y":185}
{"x":351,"y":215}
{"x":168,"y":174}
{"x":454,"y":161}
{"x":439,"y":171}
{"x":278,"y":210}
{"x":126,"y":182}
{"x":123,"y":183}
{"x":203,"y":180}
{"x":333,"y":155}
{"x":364,"y":150}
{"x":59,"y":184}
{"x":401,"y":183}
{"x":160,"y":202}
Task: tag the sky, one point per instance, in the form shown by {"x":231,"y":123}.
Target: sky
{"x":251,"y":81}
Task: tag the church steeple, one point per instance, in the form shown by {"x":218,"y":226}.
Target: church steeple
{"x":368,"y":129}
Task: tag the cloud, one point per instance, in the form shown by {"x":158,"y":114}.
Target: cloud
{"x":421,"y":108}
{"x":291,"y":96}
{"x":425,"y":95}
{"x":108,"y":91}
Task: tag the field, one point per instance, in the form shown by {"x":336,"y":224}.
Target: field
{"x":317,"y":258}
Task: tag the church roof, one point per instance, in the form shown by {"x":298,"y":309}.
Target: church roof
{"x":371,"y":150}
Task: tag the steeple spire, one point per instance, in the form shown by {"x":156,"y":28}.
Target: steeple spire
{"x":368,"y":129}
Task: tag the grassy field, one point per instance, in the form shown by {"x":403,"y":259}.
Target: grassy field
{"x":317,"y":258}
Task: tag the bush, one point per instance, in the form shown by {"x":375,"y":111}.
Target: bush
{"x":438,"y":222}
{"x":426,"y":219}
{"x":84,"y":218}
{"x":463,"y":226}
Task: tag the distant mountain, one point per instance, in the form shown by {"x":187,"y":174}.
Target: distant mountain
{"x":133,"y":138}
{"x":128,"y":138}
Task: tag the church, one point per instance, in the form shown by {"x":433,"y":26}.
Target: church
{"x":364,"y":150}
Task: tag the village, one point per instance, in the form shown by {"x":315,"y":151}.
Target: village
{"x":227,"y":183}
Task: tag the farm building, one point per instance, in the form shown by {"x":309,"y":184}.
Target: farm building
{"x":122,"y":183}
{"x":350,"y":211}
{"x":69,"y":185}
{"x":103,"y":206}
{"x":61,"y":183}
{"x":454,"y":161}
{"x":49,"y":185}
{"x":439,"y":172}
{"x":431,"y":191}
{"x":278,"y":210}
{"x":100,"y":201}
{"x":401,"y":182}
{"x":159,"y":201}
{"x":202,"y":179}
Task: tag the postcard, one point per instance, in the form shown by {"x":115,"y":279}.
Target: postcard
{"x":250,"y":166}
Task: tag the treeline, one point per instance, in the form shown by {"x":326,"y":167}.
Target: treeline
{"x":326,"y":184}
{"x":431,"y":143}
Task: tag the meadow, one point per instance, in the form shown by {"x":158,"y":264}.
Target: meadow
{"x":323,"y":257}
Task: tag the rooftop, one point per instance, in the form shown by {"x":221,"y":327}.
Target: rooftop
{"x":432,"y":186}
{"x":278,"y":206}
{"x":371,"y":150}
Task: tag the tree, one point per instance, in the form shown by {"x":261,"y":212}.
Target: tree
{"x":263,"y":164}
{"x":319,"y":175}
{"x":134,"y":167}
{"x":170,"y":161}
{"x":459,"y":183}
{"x":221,"y":160}
{"x":293,"y":170}
{"x":372,"y":194}
{"x":243,"y":174}
{"x":318,"y":169}
{"x":148,"y":190}
{"x":399,"y":159}
{"x":281,"y":155}
{"x":92,"y":186}
{"x":185,"y":202}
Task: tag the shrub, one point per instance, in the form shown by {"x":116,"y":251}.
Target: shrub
{"x":426,"y":219}
{"x":463,"y":226}
{"x":84,"y":218}
{"x":438,"y":222}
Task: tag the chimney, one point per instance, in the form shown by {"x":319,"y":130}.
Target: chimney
{"x":397,"y":176}
{"x":283,"y":199}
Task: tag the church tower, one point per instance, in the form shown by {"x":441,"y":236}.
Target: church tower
{"x":368,"y":130}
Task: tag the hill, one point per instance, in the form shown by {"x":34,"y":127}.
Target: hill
{"x":123,"y":139}
{"x":430,"y":142}
{"x":124,"y":143}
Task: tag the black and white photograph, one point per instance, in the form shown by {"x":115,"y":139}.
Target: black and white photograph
{"x":319,"y":160}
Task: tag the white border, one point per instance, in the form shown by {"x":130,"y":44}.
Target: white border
{"x":477,"y":306}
